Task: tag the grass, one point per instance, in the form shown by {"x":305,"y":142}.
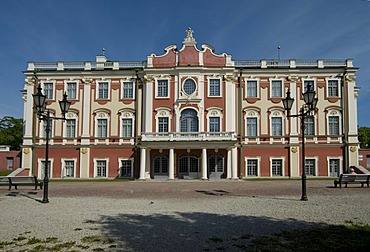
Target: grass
{"x":5,"y":173}
{"x":92,"y":180}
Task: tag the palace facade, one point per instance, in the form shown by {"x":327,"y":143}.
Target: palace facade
{"x":191,"y":114}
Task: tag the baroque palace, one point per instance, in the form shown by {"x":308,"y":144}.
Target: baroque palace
{"x":191,"y":114}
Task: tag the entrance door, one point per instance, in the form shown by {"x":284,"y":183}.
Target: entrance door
{"x":160,"y":166}
{"x":334,"y":168}
{"x":188,"y":166}
{"x":216,"y":166}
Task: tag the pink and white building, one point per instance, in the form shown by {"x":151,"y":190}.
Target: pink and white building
{"x":191,"y":113}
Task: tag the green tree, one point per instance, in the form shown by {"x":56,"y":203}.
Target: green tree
{"x":11,"y":132}
{"x":364,"y":137}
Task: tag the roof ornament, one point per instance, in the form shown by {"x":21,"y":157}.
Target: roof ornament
{"x":189,"y":40}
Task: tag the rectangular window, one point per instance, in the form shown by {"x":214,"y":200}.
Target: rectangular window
{"x":309,"y":126}
{"x":252,"y":89}
{"x":277,"y":167}
{"x":276,"y":126}
{"x":128,"y":90}
{"x":50,"y":128}
{"x":103,"y":90}
{"x":69,"y":168}
{"x":101,"y":168}
{"x":43,"y":163}
{"x":162,"y":89}
{"x":126,"y":168}
{"x":251,"y":126}
{"x":214,"y":124}
{"x":252,"y":167}
{"x":102,"y":128}
{"x":48,"y":90}
{"x":72,"y":90}
{"x":333,"y":89}
{"x":9,"y":163}
{"x":333,"y":125}
{"x":163,"y":124}
{"x":127,"y":127}
{"x":310,"y":167}
{"x":71,"y":128}
{"x":309,"y":83}
{"x":214,"y":87}
{"x":334,"y":167}
{"x":276,"y":88}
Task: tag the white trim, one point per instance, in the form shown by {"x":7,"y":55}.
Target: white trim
{"x":39,"y":166}
{"x":327,"y":87}
{"x":282,"y":87}
{"x":43,"y":88}
{"x":66,"y":82}
{"x":258,"y":166}
{"x":282,"y":166}
{"x":316,"y":165}
{"x":334,"y":112}
{"x":214,"y":112}
{"x":63,"y":171}
{"x":95,"y":167}
{"x":101,"y":115}
{"x":119,"y":167}
{"x":70,"y":115}
{"x":340,"y":171}
{"x":252,"y":113}
{"x":168,"y":78}
{"x":126,"y":80}
{"x":97,"y":89}
{"x":246,"y":87}
{"x":126,"y":115}
{"x":309,"y":79}
{"x":209,"y":78}
{"x":277,"y":113}
{"x":163,"y":112}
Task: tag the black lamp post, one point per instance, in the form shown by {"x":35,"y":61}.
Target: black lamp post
{"x":44,"y":115}
{"x":307,"y":109}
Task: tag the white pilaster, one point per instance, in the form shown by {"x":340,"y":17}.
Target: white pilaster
{"x":229,"y":163}
{"x":147,"y":164}
{"x":148,"y":107}
{"x":142,"y":163}
{"x":171,"y":170}
{"x":204,"y":164}
{"x":86,"y":107}
{"x":234,"y":163}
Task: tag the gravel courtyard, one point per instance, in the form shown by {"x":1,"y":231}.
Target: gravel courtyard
{"x":174,"y":216}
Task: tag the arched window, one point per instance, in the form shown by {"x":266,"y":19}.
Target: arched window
{"x":189,"y":121}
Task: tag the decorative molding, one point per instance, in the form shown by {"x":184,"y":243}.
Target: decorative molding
{"x":293,"y":78}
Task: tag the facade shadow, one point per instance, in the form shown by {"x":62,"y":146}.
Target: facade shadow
{"x":192,"y":231}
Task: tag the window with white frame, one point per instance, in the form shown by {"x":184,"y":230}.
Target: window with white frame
{"x":70,"y":128}
{"x":48,"y":90}
{"x":310,"y":166}
{"x":189,"y":87}
{"x":251,"y":88}
{"x":125,"y":169}
{"x":309,"y":126}
{"x":71,"y":90}
{"x":276,"y":167}
{"x":42,"y":169}
{"x":69,"y":168}
{"x":126,"y":127}
{"x":163,"y":124}
{"x":333,"y":88}
{"x":162,"y":88}
{"x":251,"y":126}
{"x":102,"y":127}
{"x":308,"y":83}
{"x":276,"y":88}
{"x":252,"y":167}
{"x":333,"y":122}
{"x":101,"y":166}
{"x":276,"y":126}
{"x":103,"y":90}
{"x":214,"y":117}
{"x":214,"y":87}
{"x":214,"y":124}
{"x":334,"y":167}
{"x":44,"y":124}
{"x":127,"y":90}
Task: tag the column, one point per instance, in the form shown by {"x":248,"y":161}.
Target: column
{"x":204,"y":164}
{"x":142,"y":163}
{"x":171,"y":170}
{"x":234,"y":166}
{"x":229,"y":157}
{"x":147,"y":164}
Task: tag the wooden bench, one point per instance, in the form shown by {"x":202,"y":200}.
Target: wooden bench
{"x":352,"y":179}
{"x":24,"y":180}
{"x":4,"y":180}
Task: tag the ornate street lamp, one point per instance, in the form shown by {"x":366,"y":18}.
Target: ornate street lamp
{"x":307,"y":109}
{"x":44,"y":115}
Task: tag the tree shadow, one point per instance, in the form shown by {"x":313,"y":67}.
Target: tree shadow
{"x":192,"y":231}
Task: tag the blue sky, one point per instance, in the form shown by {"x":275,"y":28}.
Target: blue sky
{"x":76,"y":30}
